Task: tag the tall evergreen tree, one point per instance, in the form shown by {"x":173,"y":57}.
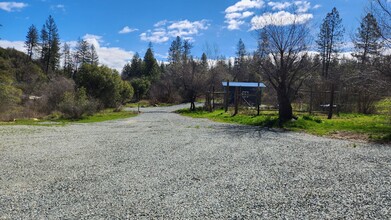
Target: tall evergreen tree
{"x":82,"y":55}
{"x":329,"y":40}
{"x":186,"y":48}
{"x":44,"y":38}
{"x":134,"y":69}
{"x":68,"y":63}
{"x":93,"y":56}
{"x":50,"y":53}
{"x":367,"y":39}
{"x":151,"y":67}
{"x":175,"y":51}
{"x":204,"y":61}
{"x":31,"y":42}
{"x":240,"y":65}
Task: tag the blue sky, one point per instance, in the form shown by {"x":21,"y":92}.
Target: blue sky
{"x":119,"y":28}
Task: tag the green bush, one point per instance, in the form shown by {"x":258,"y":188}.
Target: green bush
{"x":75,"y":105}
{"x":104,"y":84}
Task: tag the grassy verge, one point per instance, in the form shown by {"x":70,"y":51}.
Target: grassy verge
{"x":105,"y":115}
{"x":354,"y":126}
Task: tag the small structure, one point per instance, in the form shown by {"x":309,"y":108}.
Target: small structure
{"x":248,"y":93}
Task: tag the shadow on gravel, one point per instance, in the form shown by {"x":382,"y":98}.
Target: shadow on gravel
{"x":242,"y":130}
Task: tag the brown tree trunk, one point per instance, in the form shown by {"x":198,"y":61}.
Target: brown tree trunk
{"x":330,"y":115}
{"x":284,"y":109}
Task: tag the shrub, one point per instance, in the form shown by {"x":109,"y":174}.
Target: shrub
{"x":53,"y":93}
{"x":104,"y":84}
{"x":75,"y":105}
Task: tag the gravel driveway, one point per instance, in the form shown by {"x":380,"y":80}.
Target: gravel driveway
{"x":166,"y":166}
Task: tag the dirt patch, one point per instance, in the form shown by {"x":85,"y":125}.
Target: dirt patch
{"x":348,"y":135}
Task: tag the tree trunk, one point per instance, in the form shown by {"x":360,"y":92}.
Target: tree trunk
{"x":192,"y":105}
{"x":330,"y":115}
{"x":284,"y":109}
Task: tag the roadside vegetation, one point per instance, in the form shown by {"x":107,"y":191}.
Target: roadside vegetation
{"x":368,"y":127}
{"x":56,"y":119}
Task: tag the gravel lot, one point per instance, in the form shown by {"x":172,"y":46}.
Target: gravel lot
{"x":162,"y":165}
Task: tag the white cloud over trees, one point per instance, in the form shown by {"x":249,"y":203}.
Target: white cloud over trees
{"x":165,"y":30}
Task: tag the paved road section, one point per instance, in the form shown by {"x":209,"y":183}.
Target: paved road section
{"x":160,"y":165}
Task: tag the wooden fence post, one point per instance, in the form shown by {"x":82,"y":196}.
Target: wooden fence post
{"x":236,"y":100}
{"x":213,"y":98}
{"x":258,"y":97}
{"x":227,"y":97}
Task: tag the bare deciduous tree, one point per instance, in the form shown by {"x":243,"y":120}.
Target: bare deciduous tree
{"x":284,"y":62}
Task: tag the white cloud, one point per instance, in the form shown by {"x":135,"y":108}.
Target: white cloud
{"x":113,"y":57}
{"x":12,"y":6}
{"x":280,"y":18}
{"x":234,"y":24}
{"x":127,"y":29}
{"x":244,"y":5}
{"x":302,"y":6}
{"x":58,"y":7}
{"x":318,"y":6}
{"x":242,"y":13}
{"x":17,"y":45}
{"x":157,"y":36}
{"x":237,"y":13}
{"x":279,"y":5}
{"x":164,"y":30}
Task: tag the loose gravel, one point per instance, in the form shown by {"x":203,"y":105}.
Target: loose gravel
{"x":160,"y":165}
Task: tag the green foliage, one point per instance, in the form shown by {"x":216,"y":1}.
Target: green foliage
{"x":374,"y":127}
{"x":141,"y":87}
{"x":134,"y":69}
{"x":151,"y":68}
{"x":329,"y":39}
{"x":312,"y":118}
{"x":104,"y":84}
{"x":31,"y":42}
{"x":56,"y":119}
{"x":50,"y":46}
{"x":75,"y":105}
{"x":10,"y":96}
{"x":367,"y":39}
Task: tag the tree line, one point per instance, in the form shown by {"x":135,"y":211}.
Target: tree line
{"x":38,"y":83}
{"x":284,"y":62}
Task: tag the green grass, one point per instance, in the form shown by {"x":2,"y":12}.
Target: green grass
{"x":105,"y":115}
{"x":372,"y":127}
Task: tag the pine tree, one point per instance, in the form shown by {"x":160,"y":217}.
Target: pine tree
{"x":82,"y":53}
{"x":134,"y":69}
{"x":50,"y":41}
{"x":31,"y":42}
{"x":151,"y":67}
{"x":93,"y":56}
{"x":44,"y":43}
{"x":204,"y":61}
{"x":367,"y":39}
{"x":240,"y":66}
{"x":329,"y":40}
{"x":175,"y":51}
{"x":186,"y":50}
{"x":68,"y":62}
